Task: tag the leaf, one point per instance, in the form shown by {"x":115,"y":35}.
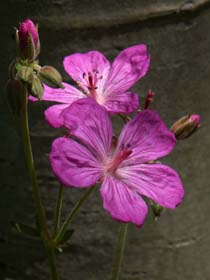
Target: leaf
{"x":66,"y":237}
{"x":25,"y":229}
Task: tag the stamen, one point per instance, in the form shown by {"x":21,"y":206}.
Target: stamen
{"x":116,"y":161}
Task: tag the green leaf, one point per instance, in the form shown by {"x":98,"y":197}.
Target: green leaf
{"x":66,"y":237}
{"x":25,"y":229}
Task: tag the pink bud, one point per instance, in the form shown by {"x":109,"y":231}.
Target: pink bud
{"x":27,"y":28}
{"x":186,"y":126}
{"x":195,"y":119}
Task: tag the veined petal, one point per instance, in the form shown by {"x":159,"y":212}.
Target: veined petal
{"x":156,"y":181}
{"x":80,"y":65}
{"x":90,"y":123}
{"x":147,"y":137}
{"x":128,"y":67}
{"x":32,"y":98}
{"x":73,"y":164}
{"x":122,"y":103}
{"x":67,"y":95}
{"x":122,"y":203}
{"x":53,"y":115}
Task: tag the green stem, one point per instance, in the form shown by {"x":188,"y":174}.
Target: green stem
{"x":119,"y":252}
{"x":58,"y":210}
{"x":52,"y":263}
{"x":30,"y":163}
{"x":72,"y":214}
{"x":42,"y":221}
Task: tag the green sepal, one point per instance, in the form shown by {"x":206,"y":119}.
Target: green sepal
{"x":25,"y":73}
{"x":25,"y":229}
{"x":37,"y":88}
{"x":156,"y":209}
{"x":29,"y":50}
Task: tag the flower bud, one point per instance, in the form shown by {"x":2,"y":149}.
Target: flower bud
{"x":37,"y":87}
{"x":51,"y":77}
{"x":28,"y":40}
{"x":25,"y":74}
{"x":186,"y":126}
{"x":149,"y":98}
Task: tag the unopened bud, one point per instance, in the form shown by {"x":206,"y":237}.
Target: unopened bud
{"x":28,"y":40}
{"x":186,"y":126}
{"x":149,"y":98}
{"x":25,"y":73}
{"x":51,"y":77}
{"x":37,"y":88}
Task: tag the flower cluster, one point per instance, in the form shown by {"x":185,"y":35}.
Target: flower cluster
{"x":128,"y":169}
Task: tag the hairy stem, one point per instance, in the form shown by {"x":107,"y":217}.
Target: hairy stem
{"x":58,"y":210}
{"x":40,"y":212}
{"x":119,"y":252}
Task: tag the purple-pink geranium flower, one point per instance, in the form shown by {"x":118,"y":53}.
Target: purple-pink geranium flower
{"x":127,"y":172}
{"x":97,"y":78}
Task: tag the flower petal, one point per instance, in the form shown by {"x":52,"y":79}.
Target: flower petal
{"x":73,"y":164}
{"x":147,"y":137}
{"x":90,"y":123}
{"x":156,"y":181}
{"x":32,"y":98}
{"x":53,"y":115}
{"x":79,"y":65}
{"x":122,"y":203}
{"x":122,"y":103}
{"x":128,"y":67}
{"x":67,"y":95}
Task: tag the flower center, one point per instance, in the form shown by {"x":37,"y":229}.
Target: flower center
{"x":91,"y":80}
{"x":113,"y":164}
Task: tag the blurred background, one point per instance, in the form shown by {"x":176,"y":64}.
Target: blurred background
{"x":177,"y":246}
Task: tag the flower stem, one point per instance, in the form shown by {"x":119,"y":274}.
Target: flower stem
{"x":42,"y":221}
{"x":119,"y":252}
{"x":52,"y":263}
{"x":72,"y":214}
{"x":30,"y":164}
{"x":58,"y":210}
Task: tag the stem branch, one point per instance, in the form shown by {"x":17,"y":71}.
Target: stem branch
{"x":73,"y":213}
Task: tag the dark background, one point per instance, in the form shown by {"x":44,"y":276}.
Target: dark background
{"x":178,"y":36}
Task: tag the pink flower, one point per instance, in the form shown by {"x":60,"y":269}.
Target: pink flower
{"x":128,"y":172}
{"x":27,"y":28}
{"x":107,"y":84}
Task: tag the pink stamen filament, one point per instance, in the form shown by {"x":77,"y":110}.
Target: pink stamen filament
{"x":115,"y":162}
